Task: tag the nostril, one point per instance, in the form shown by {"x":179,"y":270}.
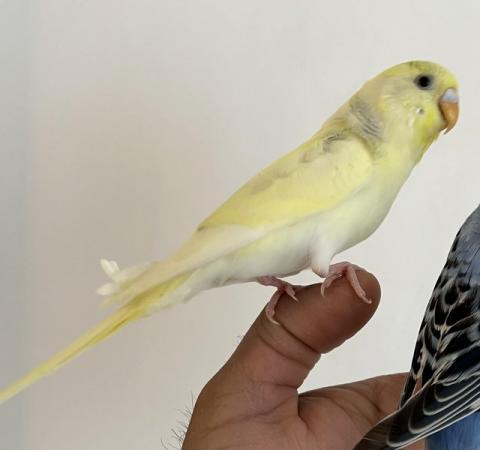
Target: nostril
{"x":450,"y":96}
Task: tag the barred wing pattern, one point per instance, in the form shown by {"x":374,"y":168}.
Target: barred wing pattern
{"x":447,"y":354}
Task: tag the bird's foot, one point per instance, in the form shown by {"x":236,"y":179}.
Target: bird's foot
{"x":282,"y":287}
{"x":347,"y":270}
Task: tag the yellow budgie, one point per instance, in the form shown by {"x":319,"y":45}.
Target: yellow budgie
{"x":322,"y":198}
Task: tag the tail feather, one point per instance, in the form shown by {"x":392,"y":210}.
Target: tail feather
{"x":127,"y":284}
{"x":120,"y":280}
{"x":159,"y":296}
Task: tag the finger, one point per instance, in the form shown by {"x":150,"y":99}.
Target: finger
{"x":364,"y":403}
{"x":375,"y":399}
{"x":272,"y":361}
{"x":262,"y":376}
{"x":284,"y":355}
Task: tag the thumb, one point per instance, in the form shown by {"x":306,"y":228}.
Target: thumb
{"x":272,"y":361}
{"x":284,"y":355}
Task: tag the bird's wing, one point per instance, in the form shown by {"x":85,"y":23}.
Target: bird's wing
{"x":316,"y":177}
{"x":451,"y":394}
{"x":434,"y":331}
{"x":436,"y":406}
{"x":447,"y":355}
{"x":428,"y":337}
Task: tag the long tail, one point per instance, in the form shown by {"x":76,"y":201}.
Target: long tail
{"x":156,"y":297}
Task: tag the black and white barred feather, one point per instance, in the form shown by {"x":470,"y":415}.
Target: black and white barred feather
{"x":446,"y":360}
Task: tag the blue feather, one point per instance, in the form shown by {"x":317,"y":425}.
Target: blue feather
{"x":462,"y":435}
{"x":446,"y":361}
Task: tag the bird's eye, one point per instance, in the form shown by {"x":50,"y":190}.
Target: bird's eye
{"x":424,"y":81}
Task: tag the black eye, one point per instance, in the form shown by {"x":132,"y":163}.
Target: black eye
{"x":424,"y":81}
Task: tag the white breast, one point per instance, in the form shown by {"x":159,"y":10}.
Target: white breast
{"x":357,"y":218}
{"x":315,"y":240}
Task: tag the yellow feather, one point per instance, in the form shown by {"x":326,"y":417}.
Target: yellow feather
{"x":313,"y":178}
{"x":139,"y":307}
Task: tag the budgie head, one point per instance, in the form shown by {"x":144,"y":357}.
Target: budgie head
{"x":415,"y":100}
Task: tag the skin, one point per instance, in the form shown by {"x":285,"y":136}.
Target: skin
{"x":253,"y":401}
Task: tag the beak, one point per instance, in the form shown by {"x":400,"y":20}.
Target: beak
{"x":449,"y":107}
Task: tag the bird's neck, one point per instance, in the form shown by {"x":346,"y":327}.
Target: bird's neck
{"x":389,"y":133}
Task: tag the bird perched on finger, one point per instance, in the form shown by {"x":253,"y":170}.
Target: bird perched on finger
{"x":325,"y":196}
{"x":446,"y":361}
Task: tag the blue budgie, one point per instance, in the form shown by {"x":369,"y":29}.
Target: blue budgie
{"x":446,"y":408}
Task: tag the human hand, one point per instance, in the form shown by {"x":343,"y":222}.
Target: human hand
{"x":253,"y":401}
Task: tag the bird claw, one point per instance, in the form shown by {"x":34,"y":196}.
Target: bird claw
{"x":290,"y":291}
{"x":347,"y":270}
{"x":282,"y":287}
{"x":328,"y":282}
{"x":270,"y":308}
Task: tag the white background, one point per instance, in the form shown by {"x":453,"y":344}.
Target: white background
{"x":124,"y":123}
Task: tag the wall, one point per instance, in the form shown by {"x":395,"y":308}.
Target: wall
{"x":15,"y":107}
{"x":124,"y":123}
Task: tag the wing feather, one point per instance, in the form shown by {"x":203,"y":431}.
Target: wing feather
{"x":315,"y":177}
{"x":325,"y":171}
{"x":447,"y":352}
